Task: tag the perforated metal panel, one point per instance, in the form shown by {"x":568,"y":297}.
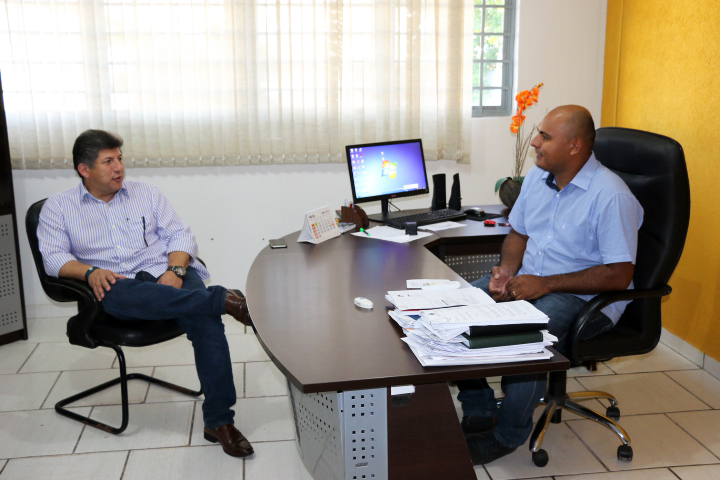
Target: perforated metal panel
{"x":342,"y":435}
{"x":11,"y":318}
{"x":472,"y":267}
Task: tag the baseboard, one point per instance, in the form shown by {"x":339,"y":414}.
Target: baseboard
{"x":696,"y":356}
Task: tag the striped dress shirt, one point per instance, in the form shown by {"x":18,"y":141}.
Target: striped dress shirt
{"x":133,"y":232}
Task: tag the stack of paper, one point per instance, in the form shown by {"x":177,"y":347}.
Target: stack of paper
{"x":436,"y":325}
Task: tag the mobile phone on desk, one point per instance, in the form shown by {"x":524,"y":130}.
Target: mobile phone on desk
{"x":277,"y":243}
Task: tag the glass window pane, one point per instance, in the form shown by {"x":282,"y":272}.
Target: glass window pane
{"x":492,"y":75}
{"x":493,"y":47}
{"x":494,"y":20}
{"x":476,"y":74}
{"x":477,"y":47}
{"x":476,"y":97}
{"x":492,"y":98}
{"x":478,"y":22}
{"x":495,"y":2}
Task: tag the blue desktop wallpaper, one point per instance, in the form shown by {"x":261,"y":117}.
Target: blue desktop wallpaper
{"x":387,"y":169}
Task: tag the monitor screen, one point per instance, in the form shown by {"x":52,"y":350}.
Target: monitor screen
{"x":381,"y":171}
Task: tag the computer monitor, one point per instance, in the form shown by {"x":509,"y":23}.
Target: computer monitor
{"x":381,"y":171}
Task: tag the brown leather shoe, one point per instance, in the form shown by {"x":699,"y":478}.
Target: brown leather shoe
{"x":236,"y":306}
{"x":233,"y":442}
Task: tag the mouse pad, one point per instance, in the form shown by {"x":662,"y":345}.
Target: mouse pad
{"x":487,"y":216}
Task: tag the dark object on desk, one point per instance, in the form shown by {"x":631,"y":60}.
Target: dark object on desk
{"x":487,"y":341}
{"x":479,"y":215}
{"x":426,"y":218}
{"x":509,"y":329}
{"x":92,"y":328}
{"x":438,"y":197}
{"x":410,"y":228}
{"x":277,"y":243}
{"x":653,"y":166}
{"x":354,"y":215}
{"x":509,"y":191}
{"x":454,"y":202}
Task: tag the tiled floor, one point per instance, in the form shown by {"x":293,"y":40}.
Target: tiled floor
{"x":670,"y":407}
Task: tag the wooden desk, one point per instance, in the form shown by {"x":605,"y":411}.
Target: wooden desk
{"x":341,"y":360}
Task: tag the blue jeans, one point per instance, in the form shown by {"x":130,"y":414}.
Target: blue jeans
{"x":197,"y":310}
{"x":523,"y":392}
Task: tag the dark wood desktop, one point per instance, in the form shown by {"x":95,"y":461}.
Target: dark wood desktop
{"x":301,"y":302}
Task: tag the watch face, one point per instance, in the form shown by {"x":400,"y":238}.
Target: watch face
{"x":177,"y":270}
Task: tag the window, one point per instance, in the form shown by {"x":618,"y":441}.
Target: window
{"x":234,"y":82}
{"x":494,"y":33}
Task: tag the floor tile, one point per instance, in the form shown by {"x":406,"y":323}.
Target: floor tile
{"x":177,"y":351}
{"x":183,"y":463}
{"x":263,"y":379}
{"x":703,"y":426}
{"x":642,"y":393}
{"x":33,"y":433}
{"x":43,"y":330}
{"x":98,"y":466}
{"x":54,"y":357}
{"x":186,"y":376}
{"x":266,"y":419}
{"x":700,"y":383}
{"x":481,"y":474}
{"x":660,"y":359}
{"x":73,"y":382}
{"x":652,"y":474}
{"x":656,"y":442}
{"x":14,"y":355}
{"x":246,"y":348}
{"x":2,"y":464}
{"x":567,"y":454}
{"x":232,"y":326}
{"x":154,"y":425}
{"x":581,"y":371}
{"x":277,"y":461}
{"x":700,"y":472}
{"x":25,"y":391}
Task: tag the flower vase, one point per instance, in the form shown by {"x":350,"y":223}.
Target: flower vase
{"x":509,"y":190}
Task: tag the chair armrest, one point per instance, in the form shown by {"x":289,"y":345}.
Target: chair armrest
{"x":90,"y":309}
{"x":600,"y":301}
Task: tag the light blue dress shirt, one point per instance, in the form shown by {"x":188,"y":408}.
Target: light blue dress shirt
{"x":593,"y":221}
{"x":135,"y":231}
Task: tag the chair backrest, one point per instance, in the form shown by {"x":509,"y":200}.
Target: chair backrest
{"x":653,"y":166}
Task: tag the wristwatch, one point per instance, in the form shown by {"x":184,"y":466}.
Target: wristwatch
{"x":177,"y":270}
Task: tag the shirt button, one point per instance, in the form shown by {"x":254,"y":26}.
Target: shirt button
{"x":549,"y":236}
{"x":557,"y":194}
{"x":539,"y":253}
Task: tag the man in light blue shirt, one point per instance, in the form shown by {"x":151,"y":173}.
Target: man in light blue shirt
{"x":574,"y":235}
{"x":139,"y":258}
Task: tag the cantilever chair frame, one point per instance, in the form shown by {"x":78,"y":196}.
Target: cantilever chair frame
{"x":660,"y":244}
{"x":92,"y":328}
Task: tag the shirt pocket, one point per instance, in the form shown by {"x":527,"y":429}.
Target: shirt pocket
{"x":575,"y":241}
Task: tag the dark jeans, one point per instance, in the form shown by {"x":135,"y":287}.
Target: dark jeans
{"x":197,"y":310}
{"x":523,"y":392}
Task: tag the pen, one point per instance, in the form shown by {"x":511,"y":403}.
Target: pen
{"x":504,"y":224}
{"x":365,"y":231}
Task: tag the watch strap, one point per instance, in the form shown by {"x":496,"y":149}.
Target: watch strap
{"x":89,"y":271}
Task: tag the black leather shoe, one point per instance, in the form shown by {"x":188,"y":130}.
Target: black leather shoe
{"x":233,"y":442}
{"x":485,"y":448}
{"x":236,"y":306}
{"x":472,"y":425}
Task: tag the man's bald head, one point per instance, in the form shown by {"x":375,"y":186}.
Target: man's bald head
{"x":578,"y":123}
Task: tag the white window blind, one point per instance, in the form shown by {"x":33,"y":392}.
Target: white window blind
{"x":212,"y":82}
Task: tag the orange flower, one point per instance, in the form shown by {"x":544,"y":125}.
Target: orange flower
{"x":524,"y":99}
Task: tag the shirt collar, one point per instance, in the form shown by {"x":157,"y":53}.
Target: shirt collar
{"x":84,"y":195}
{"x":581,"y":179}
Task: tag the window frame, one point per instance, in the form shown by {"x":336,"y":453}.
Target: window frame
{"x":506,"y":100}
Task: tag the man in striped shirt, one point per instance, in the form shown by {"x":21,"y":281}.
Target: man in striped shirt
{"x":139,"y":258}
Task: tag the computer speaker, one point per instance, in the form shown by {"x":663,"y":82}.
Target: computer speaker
{"x":454,"y":202}
{"x":439,"y":201}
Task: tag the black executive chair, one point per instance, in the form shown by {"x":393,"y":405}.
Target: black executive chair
{"x":92,"y":328}
{"x":653,"y":166}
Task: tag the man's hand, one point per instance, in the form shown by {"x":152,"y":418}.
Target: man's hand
{"x":169,"y":278}
{"x":527,"y":287}
{"x":100,"y":281}
{"x":498,"y":284}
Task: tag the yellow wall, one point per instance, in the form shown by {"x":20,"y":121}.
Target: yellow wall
{"x":662,"y":74}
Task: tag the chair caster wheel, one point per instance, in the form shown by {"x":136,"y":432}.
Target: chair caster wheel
{"x":625,"y":452}
{"x":540,"y":458}
{"x":613,"y":413}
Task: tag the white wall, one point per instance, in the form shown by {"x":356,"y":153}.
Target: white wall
{"x":234,"y":210}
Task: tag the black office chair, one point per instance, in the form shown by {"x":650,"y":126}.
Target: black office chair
{"x":92,"y":328}
{"x":653,"y":166}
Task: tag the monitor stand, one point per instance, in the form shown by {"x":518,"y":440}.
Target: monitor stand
{"x":386,"y":215}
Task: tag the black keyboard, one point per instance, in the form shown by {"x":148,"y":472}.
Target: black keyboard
{"x":435,"y":216}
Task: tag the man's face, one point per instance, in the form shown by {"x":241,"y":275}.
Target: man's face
{"x":552,"y":147}
{"x":105,"y":178}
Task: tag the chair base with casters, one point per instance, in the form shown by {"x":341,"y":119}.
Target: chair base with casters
{"x":123,"y":381}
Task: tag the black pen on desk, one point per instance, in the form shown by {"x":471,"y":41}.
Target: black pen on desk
{"x":365,"y":232}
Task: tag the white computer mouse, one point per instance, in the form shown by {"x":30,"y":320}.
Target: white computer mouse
{"x":363,"y":302}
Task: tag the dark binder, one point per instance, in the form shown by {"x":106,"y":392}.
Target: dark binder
{"x":478,"y":331}
{"x":503,"y":340}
